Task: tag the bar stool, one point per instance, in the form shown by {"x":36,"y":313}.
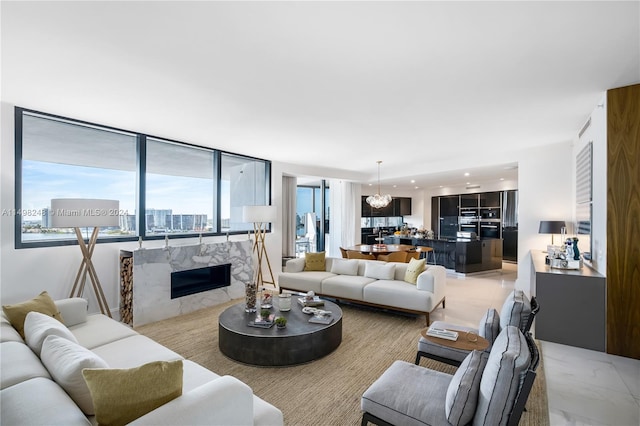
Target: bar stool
{"x":427,"y":253}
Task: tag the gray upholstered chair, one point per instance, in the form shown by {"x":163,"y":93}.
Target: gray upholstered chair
{"x":517,"y":310}
{"x":487,"y":389}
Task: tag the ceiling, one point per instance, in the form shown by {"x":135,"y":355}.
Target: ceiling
{"x":433,"y":89}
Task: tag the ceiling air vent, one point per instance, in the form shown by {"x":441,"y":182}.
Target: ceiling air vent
{"x":584,"y":128}
{"x":473,"y":186}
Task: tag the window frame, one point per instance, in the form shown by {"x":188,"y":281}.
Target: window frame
{"x":140,"y":160}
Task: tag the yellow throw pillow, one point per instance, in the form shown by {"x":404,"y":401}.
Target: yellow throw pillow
{"x":122,"y":395}
{"x":314,"y":262}
{"x":415,"y":268}
{"x":42,"y":303}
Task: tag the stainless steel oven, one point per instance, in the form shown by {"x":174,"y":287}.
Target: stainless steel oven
{"x":490,"y":229}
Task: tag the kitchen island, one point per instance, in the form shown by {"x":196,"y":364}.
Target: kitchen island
{"x":463,"y":256}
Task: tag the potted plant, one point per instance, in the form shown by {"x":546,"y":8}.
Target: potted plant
{"x":281,"y":322}
{"x":264,"y":313}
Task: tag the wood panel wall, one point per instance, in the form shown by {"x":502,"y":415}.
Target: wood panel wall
{"x":623,"y":221}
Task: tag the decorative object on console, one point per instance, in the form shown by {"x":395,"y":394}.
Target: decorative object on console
{"x":260,"y":216}
{"x":551,"y":227}
{"x":378,"y":201}
{"x":250,"y":297}
{"x":85,"y":213}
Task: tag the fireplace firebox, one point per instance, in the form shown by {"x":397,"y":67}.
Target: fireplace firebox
{"x":192,"y":281}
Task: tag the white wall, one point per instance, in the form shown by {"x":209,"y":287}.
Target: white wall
{"x":545,"y":188}
{"x":597,"y":133}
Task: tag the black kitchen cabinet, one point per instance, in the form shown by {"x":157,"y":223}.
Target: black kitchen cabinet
{"x":468,"y":200}
{"x":449,"y":205}
{"x":490,"y":199}
{"x":400,"y":206}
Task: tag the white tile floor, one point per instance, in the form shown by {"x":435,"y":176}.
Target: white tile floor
{"x":584,"y":387}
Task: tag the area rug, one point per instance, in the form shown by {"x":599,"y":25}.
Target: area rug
{"x":326,"y":391}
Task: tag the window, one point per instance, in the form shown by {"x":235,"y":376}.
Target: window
{"x":66,"y":159}
{"x":179,"y":189}
{"x":243,"y":182}
{"x":183,"y":190}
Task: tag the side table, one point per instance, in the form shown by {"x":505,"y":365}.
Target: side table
{"x":462,"y":344}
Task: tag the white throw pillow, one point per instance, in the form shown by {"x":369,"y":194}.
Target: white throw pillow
{"x":344,"y":267}
{"x":38,"y":326}
{"x":65,"y":361}
{"x":380,"y":271}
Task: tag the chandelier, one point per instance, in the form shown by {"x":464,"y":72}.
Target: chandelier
{"x":379,"y":201}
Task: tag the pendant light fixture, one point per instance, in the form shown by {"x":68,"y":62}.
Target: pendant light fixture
{"x":379,"y":201}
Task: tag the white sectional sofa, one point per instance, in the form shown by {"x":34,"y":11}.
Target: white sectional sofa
{"x":30,"y":396}
{"x":361,"y":281}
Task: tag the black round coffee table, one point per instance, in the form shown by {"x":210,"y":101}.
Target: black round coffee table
{"x":300,"y":342}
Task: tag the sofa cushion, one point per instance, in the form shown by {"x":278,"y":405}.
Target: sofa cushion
{"x":39,"y":401}
{"x":133,"y":351}
{"x":7,"y":332}
{"x":304,"y":281}
{"x":42,"y":303}
{"x":18,"y":363}
{"x":314,"y":261}
{"x":508,"y":362}
{"x":345,"y":286}
{"x":65,"y":360}
{"x":99,"y":330}
{"x":489,"y":326}
{"x":38,"y":326}
{"x":515,"y":310}
{"x":462,"y":393}
{"x":122,"y":395}
{"x":398,"y":294}
{"x":344,"y":267}
{"x":414,"y":269}
{"x":407,"y":394}
{"x":380,"y":271}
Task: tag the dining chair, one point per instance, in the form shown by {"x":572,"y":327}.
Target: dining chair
{"x":396,"y":256}
{"x":353,"y":254}
{"x":412,"y":255}
{"x":343,"y":252}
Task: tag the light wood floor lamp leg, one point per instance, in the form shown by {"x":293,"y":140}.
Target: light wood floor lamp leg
{"x":260,"y":216}
{"x":86,"y":267}
{"x":86,"y":213}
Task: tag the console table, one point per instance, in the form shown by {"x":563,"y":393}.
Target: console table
{"x":572,"y":304}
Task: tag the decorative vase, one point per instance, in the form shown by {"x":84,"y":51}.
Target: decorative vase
{"x":250,"y":290}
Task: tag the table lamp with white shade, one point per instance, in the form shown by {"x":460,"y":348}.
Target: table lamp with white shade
{"x":260,"y":216}
{"x":85,"y":213}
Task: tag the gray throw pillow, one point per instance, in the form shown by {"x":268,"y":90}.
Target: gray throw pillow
{"x":515,"y":310}
{"x":489,"y":326}
{"x":503,"y":375}
{"x":462,"y":393}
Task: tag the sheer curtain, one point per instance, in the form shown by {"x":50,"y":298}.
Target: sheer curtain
{"x":289,"y":184}
{"x":345,"y":199}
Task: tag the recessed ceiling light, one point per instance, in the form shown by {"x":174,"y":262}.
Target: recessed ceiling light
{"x":395,"y":186}
{"x":370,"y":184}
{"x":417,"y":187}
{"x":466,"y":174}
{"x":413,"y":181}
{"x":441,"y":186}
{"x":501,"y":178}
{"x":468,"y":183}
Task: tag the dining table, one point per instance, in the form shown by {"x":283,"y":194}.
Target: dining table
{"x":377,"y":249}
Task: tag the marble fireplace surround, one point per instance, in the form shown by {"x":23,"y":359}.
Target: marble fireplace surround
{"x":152,"y":270}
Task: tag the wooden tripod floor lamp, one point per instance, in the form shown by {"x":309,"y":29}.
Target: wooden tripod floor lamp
{"x":260,"y":216}
{"x":86,"y":213}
